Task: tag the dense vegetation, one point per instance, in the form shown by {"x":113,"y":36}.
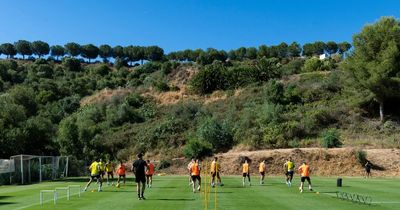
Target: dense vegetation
{"x":272,"y":97}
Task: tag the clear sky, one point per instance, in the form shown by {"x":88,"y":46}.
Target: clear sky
{"x":182,"y":24}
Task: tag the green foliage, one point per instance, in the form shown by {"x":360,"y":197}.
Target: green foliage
{"x":197,"y":149}
{"x":312,"y":64}
{"x":23,"y":47}
{"x":73,"y":49}
{"x":361,"y":156}
{"x":164,"y":164}
{"x":331,"y":138}
{"x":89,"y":51}
{"x":72,"y":64}
{"x":40,"y":48}
{"x":215,"y":133}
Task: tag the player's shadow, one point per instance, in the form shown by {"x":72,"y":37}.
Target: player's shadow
{"x":5,"y":203}
{"x":165,"y":187}
{"x":172,"y":199}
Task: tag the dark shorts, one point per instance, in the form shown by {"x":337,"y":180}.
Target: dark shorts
{"x":194,"y":178}
{"x":110,"y":173}
{"x":97,"y":176}
{"x":304,"y":178}
{"x":262,"y":173}
{"x":368,"y":170}
{"x":289,"y":173}
{"x":140,"y":178}
{"x":246,"y":174}
{"x":102,"y":173}
{"x":122,"y":175}
{"x":149,"y":175}
{"x":213,"y":174}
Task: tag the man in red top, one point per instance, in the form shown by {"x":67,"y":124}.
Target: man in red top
{"x":121,"y":171}
{"x":304,"y":171}
{"x":149,"y":173}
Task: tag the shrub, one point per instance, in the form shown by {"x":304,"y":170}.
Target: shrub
{"x":312,"y":64}
{"x":210,"y":130}
{"x":164,"y":164}
{"x":72,"y":64}
{"x":197,"y":149}
{"x":331,"y":138}
{"x":361,"y":156}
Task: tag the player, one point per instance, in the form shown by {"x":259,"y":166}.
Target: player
{"x":138,"y":167}
{"x":149,"y":173}
{"x":102,"y":168}
{"x":246,"y":172}
{"x":305,"y":175}
{"x":215,"y":169}
{"x":195,"y":174}
{"x":189,"y":167}
{"x":121,"y":171}
{"x":289,"y":171}
{"x":110,"y":172}
{"x":262,"y":168}
{"x":95,"y":174}
{"x":368,"y":167}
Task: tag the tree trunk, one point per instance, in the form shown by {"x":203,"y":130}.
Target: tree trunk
{"x":381,"y":111}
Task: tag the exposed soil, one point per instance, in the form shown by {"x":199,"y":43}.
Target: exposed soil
{"x":323,"y":162}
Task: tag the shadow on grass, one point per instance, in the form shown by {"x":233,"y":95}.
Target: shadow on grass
{"x":172,"y":199}
{"x":6,"y":203}
{"x":4,"y":197}
{"x":86,"y":179}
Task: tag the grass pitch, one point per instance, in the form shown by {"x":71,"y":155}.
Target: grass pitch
{"x":173,"y":192}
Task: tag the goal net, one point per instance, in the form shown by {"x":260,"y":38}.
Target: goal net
{"x":31,"y":168}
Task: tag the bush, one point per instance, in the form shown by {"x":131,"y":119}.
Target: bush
{"x":312,"y":64}
{"x":331,"y":138}
{"x":197,"y":149}
{"x":210,"y":130}
{"x":72,"y":64}
{"x":164,"y":164}
{"x":361,"y":156}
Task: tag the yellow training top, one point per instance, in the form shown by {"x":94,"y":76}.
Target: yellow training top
{"x":102,"y":166}
{"x":109,"y":167}
{"x":94,"y":168}
{"x":262,"y":167}
{"x":289,"y":165}
{"x":214,"y":166}
{"x":245,"y":168}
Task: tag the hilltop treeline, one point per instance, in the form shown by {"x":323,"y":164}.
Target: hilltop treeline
{"x":155,"y":53}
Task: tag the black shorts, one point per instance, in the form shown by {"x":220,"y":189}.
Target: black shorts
{"x":140,"y":178}
{"x":303,"y":178}
{"x":110,"y":173}
{"x":246,"y":174}
{"x":262,"y":173}
{"x":102,"y":173}
{"x":289,"y":173}
{"x":213,"y":174}
{"x":149,"y":175}
{"x":97,"y":176}
{"x":197,"y":177}
{"x":123,"y":175}
{"x":368,"y":170}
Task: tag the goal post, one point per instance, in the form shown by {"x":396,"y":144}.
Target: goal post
{"x":32,"y":168}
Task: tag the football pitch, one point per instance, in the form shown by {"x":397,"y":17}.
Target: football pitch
{"x":173,"y":192}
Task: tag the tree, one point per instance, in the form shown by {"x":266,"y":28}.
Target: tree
{"x":40,"y":48}
{"x":8,"y":50}
{"x":331,"y":47}
{"x":73,"y":49}
{"x":282,"y":50}
{"x":308,"y":49}
{"x":374,"y":63}
{"x":105,"y":51}
{"x":344,"y":47}
{"x":294,"y":50}
{"x":118,"y":52}
{"x":263,"y":51}
{"x":90,"y":51}
{"x":57,"y":51}
{"x":153,"y":53}
{"x":133,"y":53}
{"x":240,"y":53}
{"x":23,"y":47}
{"x":319,"y":48}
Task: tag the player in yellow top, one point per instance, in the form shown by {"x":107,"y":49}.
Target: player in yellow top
{"x":110,"y":172}
{"x":304,"y":171}
{"x":95,"y":174}
{"x":289,"y":170}
{"x":262,"y":168}
{"x":214,"y":170}
{"x":102,"y":168}
{"x":246,"y":172}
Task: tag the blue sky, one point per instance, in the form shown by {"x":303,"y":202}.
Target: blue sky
{"x":182,"y":24}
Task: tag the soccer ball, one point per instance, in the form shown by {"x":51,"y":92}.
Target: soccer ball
{"x":117,"y":185}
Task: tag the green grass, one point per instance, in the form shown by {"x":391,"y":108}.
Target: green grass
{"x":173,"y":192}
